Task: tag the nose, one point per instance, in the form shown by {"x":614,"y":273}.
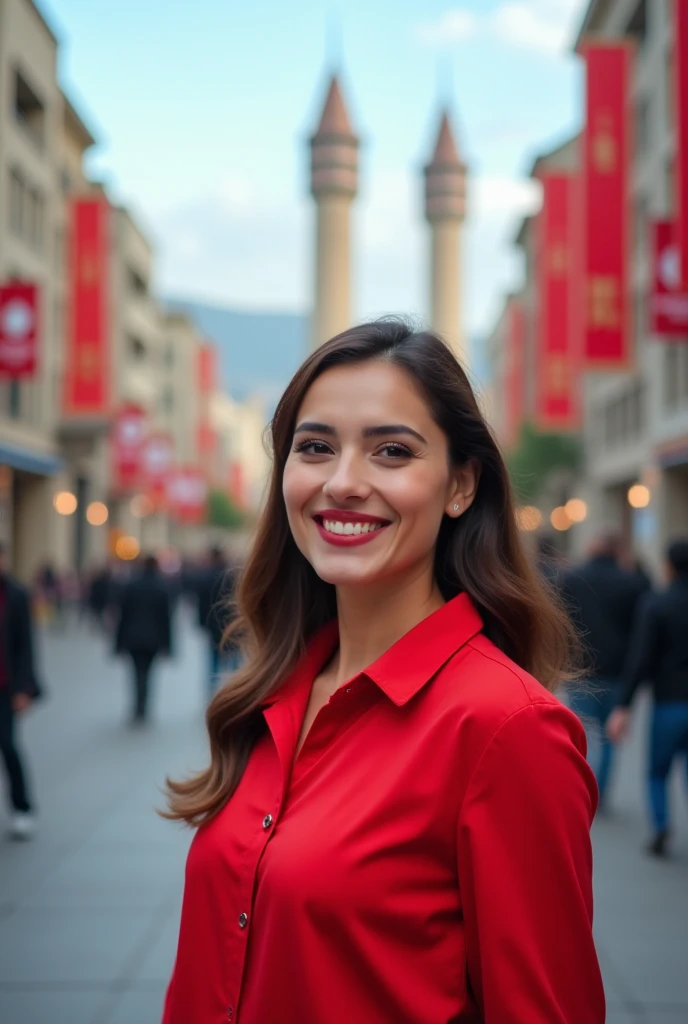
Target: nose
{"x":347,"y":479}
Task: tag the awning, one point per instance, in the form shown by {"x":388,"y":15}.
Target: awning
{"x":29,"y":461}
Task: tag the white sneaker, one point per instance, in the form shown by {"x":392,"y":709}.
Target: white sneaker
{"x":23,"y":825}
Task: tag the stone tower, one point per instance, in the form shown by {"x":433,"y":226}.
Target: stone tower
{"x":334,"y":182}
{"x":445,"y":203}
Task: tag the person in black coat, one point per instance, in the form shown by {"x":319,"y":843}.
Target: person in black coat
{"x":215,"y":591}
{"x":659,"y":655}
{"x":18,"y":689}
{"x":602,"y":598}
{"x":144,"y":629}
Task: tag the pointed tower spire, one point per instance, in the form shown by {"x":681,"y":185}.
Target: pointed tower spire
{"x":445,"y":207}
{"x":334,"y":184}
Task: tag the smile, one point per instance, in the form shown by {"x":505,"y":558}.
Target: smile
{"x":347,"y":528}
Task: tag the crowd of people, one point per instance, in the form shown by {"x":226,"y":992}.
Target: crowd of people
{"x":631,"y":633}
{"x":134,"y":609}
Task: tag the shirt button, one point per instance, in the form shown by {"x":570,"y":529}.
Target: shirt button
{"x":267,"y":821}
{"x":349,"y":689}
{"x":230,"y":1012}
{"x":243,"y":920}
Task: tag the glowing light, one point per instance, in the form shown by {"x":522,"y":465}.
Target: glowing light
{"x":639,"y":496}
{"x":65,"y":503}
{"x":127,"y":548}
{"x":528,"y":518}
{"x":97,"y":513}
{"x":576,"y":510}
{"x":140,"y":506}
{"x":560,"y":519}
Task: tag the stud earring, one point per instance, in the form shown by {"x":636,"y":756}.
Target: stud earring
{"x":456,"y":508}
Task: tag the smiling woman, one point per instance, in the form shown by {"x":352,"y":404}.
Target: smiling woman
{"x":400,"y":657}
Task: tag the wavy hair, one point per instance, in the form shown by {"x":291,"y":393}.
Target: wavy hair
{"x":281,"y":602}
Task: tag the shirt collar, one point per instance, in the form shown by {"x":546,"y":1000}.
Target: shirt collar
{"x":408,"y":665}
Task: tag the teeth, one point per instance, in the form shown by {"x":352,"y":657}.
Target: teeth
{"x":350,"y":529}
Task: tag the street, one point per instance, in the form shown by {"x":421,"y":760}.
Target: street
{"x":89,"y":910}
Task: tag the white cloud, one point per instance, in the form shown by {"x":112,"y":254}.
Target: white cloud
{"x":499,"y":195}
{"x":542,"y":26}
{"x":451,"y":27}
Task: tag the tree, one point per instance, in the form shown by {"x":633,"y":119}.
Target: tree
{"x":537,"y":455}
{"x":223,"y":512}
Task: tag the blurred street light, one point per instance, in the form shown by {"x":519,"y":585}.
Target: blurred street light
{"x":576,"y":510}
{"x":528,"y":518}
{"x":639,"y":496}
{"x":97,"y":513}
{"x":127,"y":548}
{"x":65,"y":503}
{"x":560,"y":519}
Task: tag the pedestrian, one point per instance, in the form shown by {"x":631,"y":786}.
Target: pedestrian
{"x":395,"y":822}
{"x":100,"y":595}
{"x":602,"y":598}
{"x":18,"y":689}
{"x":216,"y":586}
{"x":659,"y":655}
{"x":144,"y":630}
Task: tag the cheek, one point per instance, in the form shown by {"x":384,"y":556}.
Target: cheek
{"x":420,"y":498}
{"x":298,"y":486}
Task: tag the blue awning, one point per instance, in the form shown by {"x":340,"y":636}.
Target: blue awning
{"x":29,"y":461}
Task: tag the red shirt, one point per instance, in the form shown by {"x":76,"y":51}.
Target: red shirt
{"x":426,"y":859}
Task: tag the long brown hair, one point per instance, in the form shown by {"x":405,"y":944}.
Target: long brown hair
{"x":281,"y":602}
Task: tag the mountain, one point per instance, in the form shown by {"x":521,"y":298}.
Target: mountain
{"x":258,"y":352}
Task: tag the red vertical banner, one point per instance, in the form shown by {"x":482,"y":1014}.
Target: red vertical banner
{"x":681,"y":106}
{"x":157,"y":461}
{"x":206,"y":439}
{"x":607,"y":139}
{"x":556,"y":356}
{"x":187,"y":494}
{"x":515,"y":390}
{"x":19,"y":329}
{"x":86,"y":379}
{"x":127,"y":439}
{"x":668,"y":305}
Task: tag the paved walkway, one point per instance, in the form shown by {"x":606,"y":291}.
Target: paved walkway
{"x":89,"y":911}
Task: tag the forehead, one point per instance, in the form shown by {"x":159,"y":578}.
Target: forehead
{"x":373,"y":391}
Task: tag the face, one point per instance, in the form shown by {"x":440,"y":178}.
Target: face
{"x":368,"y":479}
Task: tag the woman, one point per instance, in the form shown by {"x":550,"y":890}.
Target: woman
{"x":394,"y":827}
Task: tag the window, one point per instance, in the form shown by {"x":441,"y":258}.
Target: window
{"x":16,"y":198}
{"x":28,"y":109}
{"x":14,"y":400}
{"x":671,"y":375}
{"x":65,"y":180}
{"x":637,"y":26}
{"x":137,"y":282}
{"x":169,"y":355}
{"x":137,"y":349}
{"x":168,"y":401}
{"x":35,"y":219}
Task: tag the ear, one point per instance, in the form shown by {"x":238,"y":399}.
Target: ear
{"x":463,"y":488}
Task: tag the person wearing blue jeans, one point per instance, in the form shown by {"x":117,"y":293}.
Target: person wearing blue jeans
{"x":594,"y":702}
{"x":659,"y":655}
{"x":601,"y":597}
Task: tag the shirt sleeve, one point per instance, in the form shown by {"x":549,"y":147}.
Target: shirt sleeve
{"x":525,"y":873}
{"x":642,"y":654}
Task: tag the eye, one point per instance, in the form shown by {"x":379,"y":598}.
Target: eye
{"x":394,"y":450}
{"x":313,"y":447}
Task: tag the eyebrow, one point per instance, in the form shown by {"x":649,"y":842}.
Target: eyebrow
{"x":382,"y":431}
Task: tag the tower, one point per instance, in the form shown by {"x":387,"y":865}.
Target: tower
{"x":445,"y":201}
{"x":334,"y":182}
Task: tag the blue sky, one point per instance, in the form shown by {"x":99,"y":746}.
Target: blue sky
{"x":202,"y":111}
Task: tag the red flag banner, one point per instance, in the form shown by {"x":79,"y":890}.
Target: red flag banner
{"x":556,"y":358}
{"x":607,"y":327}
{"x":86,"y":380}
{"x":681,"y":105}
{"x":669,"y":302}
{"x":207,"y":368}
{"x":19,"y":330}
{"x":187,"y":494}
{"x":157,"y":460}
{"x":515,"y":395}
{"x":128,"y":436}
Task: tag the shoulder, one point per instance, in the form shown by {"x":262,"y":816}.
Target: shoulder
{"x":483,"y":690}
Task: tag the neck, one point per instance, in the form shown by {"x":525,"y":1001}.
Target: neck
{"x":372,"y":619}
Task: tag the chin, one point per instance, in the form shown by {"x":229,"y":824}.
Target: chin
{"x":345,"y":576}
